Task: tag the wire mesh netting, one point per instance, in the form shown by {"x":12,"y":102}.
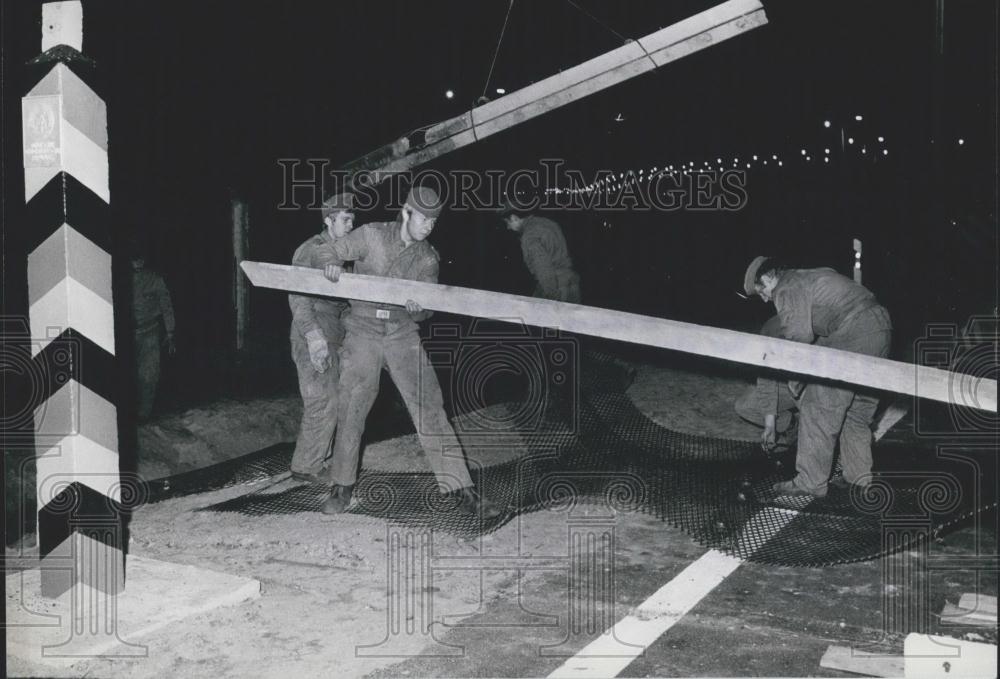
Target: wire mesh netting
{"x":601,"y":452}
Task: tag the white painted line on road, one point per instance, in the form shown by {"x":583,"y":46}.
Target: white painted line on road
{"x":605,"y":657}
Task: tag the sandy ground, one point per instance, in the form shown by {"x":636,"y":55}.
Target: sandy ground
{"x":327,"y":602}
{"x":687,"y":402}
{"x":201,"y":436}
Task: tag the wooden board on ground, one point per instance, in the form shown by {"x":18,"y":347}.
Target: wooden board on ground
{"x":980,"y":603}
{"x":972,"y":609}
{"x":729,"y":345}
{"x":847,"y":659}
{"x":956,"y":615}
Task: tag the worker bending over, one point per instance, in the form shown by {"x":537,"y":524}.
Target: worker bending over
{"x":823,"y":307}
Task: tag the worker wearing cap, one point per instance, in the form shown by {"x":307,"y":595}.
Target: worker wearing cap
{"x":386,"y":336}
{"x":153,"y":326}
{"x":545,"y":254}
{"x":316,"y":334}
{"x":823,"y":307}
{"x":771,"y":403}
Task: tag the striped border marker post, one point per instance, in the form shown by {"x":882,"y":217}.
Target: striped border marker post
{"x":71,"y":315}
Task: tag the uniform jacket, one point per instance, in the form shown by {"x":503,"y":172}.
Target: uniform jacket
{"x":377,"y":249}
{"x":150,"y":302}
{"x":819,"y":303}
{"x":316,"y":313}
{"x":547,"y":257}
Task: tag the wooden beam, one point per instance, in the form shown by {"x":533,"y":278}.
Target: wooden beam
{"x":636,"y":57}
{"x":729,"y":345}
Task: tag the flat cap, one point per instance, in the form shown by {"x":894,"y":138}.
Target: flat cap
{"x":340,"y":202}
{"x":425,"y":200}
{"x":751,"y":275}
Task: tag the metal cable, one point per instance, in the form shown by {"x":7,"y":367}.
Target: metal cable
{"x":623,"y":38}
{"x":496,"y":52}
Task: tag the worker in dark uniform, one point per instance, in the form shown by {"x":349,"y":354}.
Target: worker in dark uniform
{"x":153,"y":326}
{"x":386,"y":336}
{"x":543,"y":247}
{"x":545,"y":254}
{"x":822,"y":306}
{"x":316,"y":335}
{"x":771,"y":403}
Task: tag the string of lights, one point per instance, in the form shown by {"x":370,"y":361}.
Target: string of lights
{"x":873,"y":148}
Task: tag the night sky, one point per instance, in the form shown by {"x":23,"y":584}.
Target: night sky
{"x":205,"y":98}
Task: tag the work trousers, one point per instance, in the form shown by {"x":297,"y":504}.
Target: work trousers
{"x":147,"y":361}
{"x":568,"y":283}
{"x":319,"y":408}
{"x":830,"y":414}
{"x":370,"y":345}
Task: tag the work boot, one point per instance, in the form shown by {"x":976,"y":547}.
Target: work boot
{"x":338,"y":499}
{"x":791,"y":489}
{"x":840,"y":483}
{"x":471,"y":502}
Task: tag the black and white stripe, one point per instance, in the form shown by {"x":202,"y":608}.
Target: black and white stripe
{"x":71,"y":316}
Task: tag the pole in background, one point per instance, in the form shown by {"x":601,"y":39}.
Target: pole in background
{"x":241,"y":292}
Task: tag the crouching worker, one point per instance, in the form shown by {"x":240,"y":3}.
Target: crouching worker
{"x":822,"y":306}
{"x":770,"y":403}
{"x":385,"y":336}
{"x":316,"y":335}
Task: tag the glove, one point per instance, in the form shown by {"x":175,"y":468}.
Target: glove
{"x":319,"y":351}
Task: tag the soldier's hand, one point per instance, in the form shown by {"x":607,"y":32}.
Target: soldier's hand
{"x":332,"y":272}
{"x":169,"y":343}
{"x":319,"y":351}
{"x":769,"y":439}
{"x":413,"y":307}
{"x":796,"y":388}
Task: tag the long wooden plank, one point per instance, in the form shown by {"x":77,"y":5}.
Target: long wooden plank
{"x":730,"y":345}
{"x":697,"y":32}
{"x":619,"y":74}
